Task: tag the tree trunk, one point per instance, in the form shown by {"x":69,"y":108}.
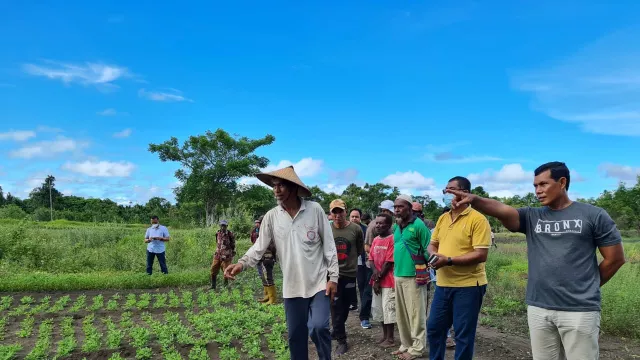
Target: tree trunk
{"x":209,"y":213}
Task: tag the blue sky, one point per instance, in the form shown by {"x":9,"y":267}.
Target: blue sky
{"x":406,"y":93}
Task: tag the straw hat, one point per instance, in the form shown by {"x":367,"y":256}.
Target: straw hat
{"x":287,"y":174}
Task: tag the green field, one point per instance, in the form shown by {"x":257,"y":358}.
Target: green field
{"x":89,"y":282}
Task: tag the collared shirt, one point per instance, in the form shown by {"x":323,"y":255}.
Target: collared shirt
{"x":156,"y":246}
{"x":306,"y":249}
{"x":470,"y":230}
{"x":226,"y":245}
{"x":416,"y":237}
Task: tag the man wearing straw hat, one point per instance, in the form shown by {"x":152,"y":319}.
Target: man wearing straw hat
{"x":307,"y":255}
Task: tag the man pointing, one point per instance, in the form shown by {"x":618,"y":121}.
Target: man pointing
{"x":307,"y":256}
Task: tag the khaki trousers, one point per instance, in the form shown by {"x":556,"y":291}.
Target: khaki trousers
{"x":411,"y":315}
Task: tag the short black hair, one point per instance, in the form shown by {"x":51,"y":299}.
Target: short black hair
{"x":463,"y":182}
{"x":366,"y":216}
{"x":154,"y":217}
{"x":356,"y":209}
{"x":387,"y":218}
{"x":558,"y":170}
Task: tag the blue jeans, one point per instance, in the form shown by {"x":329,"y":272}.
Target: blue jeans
{"x":308,"y":317}
{"x":366,"y":291}
{"x":161,"y":260}
{"x":460,"y":306}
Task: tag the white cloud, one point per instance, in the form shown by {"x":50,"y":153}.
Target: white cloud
{"x":510,"y":173}
{"x":307,"y":167}
{"x":18,"y":135}
{"x":168,"y":95}
{"x":47,"y":148}
{"x":96,"y":74}
{"x":108,"y":112}
{"x":410,"y":180}
{"x":623,"y":173}
{"x":596,"y":88}
{"x":101,"y":168}
{"x":123,"y":134}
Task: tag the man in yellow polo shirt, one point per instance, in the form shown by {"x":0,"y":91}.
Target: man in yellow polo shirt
{"x":461,"y":241}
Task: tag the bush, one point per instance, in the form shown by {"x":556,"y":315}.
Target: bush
{"x":12,"y":211}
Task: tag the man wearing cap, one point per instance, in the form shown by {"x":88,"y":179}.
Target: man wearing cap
{"x":349,"y":245}
{"x":416,"y":207}
{"x":307,"y":255}
{"x":225,"y":251}
{"x":265,"y":267}
{"x":411,"y":237}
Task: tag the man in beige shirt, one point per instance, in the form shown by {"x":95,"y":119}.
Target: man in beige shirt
{"x":307,"y":256}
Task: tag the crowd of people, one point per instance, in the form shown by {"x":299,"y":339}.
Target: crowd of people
{"x":422,"y":277}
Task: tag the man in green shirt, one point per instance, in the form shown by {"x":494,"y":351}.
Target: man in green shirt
{"x":411,"y":236}
{"x":349,"y":241}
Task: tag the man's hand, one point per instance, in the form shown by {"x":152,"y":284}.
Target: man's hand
{"x":442,"y":261}
{"x":461,"y":198}
{"x":146,"y":241}
{"x":232,"y":270}
{"x":376,"y":288}
{"x":332,"y":289}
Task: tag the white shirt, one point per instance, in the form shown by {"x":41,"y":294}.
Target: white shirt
{"x":305,"y":247}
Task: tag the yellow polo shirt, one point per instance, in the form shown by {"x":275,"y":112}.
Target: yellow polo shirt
{"x":469,"y":231}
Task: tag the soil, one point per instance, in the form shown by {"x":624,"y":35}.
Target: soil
{"x":490,"y":343}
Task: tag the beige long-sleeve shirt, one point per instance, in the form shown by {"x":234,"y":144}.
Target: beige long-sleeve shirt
{"x":305,"y":246}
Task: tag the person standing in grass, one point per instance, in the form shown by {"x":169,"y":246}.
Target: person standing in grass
{"x":265,"y":267}
{"x":381,"y":261}
{"x":155,"y":238}
{"x":364,"y":277}
{"x":308,"y":259}
{"x":411,"y":238}
{"x":349,"y":241}
{"x":564,"y":277}
{"x":225,"y":251}
{"x":461,"y":241}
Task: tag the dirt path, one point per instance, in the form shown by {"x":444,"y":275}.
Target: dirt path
{"x":491,"y":344}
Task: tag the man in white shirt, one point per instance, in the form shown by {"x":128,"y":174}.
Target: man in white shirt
{"x":155,"y":237}
{"x":307,"y":256}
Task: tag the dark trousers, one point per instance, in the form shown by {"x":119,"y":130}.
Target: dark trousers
{"x":340,"y":307}
{"x":265,"y":270}
{"x":460,"y":306}
{"x":161,"y":260}
{"x":366,"y":292}
{"x":308,"y":317}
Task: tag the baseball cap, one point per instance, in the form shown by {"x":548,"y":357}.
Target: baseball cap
{"x":406,"y":198}
{"x":386,"y":205}
{"x":416,"y":206}
{"x":337,"y":203}
{"x":224,"y":222}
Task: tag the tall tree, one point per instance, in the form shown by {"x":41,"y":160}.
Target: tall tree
{"x":211,"y":165}
{"x":46,"y":195}
{"x":2,"y":199}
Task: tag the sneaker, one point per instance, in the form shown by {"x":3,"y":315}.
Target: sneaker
{"x":353,"y":307}
{"x":365,"y":324}
{"x":341,"y":348}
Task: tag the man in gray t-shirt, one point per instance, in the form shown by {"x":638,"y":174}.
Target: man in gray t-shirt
{"x":563,"y":288}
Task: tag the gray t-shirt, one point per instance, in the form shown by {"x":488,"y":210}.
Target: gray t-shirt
{"x":561,"y":249}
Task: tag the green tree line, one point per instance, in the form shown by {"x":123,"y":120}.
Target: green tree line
{"x":212,"y":164}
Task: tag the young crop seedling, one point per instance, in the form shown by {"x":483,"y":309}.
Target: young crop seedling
{"x":125,"y":320}
{"x":114,"y":335}
{"x":92,"y":336}
{"x":26,"y":300}
{"x":229,"y":353}
{"x":6,"y":302}
{"x":145,"y":301}
{"x":174,"y":300}
{"x":187,"y":299}
{"x":198,"y":352}
{"x":116,"y":356}
{"x":26,"y":327}
{"x":59,"y":305}
{"x":130,"y":303}
{"x":79,"y":304}
{"x":251,"y":345}
{"x":139,"y":336}
{"x":112,"y":305}
{"x":160,"y":301}
{"x":9,"y":351}
{"x":203,"y":299}
{"x":144,"y":353}
{"x":3,"y":324}
{"x":98,"y":303}
{"x":43,"y":345}
{"x":68,"y":342}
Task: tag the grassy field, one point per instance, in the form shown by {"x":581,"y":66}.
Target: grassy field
{"x":80,"y":291}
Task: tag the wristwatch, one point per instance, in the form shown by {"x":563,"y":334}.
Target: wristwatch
{"x":449,"y":261}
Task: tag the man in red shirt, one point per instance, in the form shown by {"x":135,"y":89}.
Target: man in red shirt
{"x":381,"y":261}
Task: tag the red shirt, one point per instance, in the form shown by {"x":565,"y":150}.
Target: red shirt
{"x":381,"y":252}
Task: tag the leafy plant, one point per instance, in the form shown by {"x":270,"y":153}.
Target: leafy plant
{"x":160,"y":301}
{"x":26,"y":300}
{"x":6,"y":302}
{"x":131,"y":302}
{"x":144,"y":353}
{"x":79,"y":304}
{"x":98,"y":303}
{"x":198,"y":352}
{"x":229,"y":353}
{"x":114,"y":334}
{"x":59,"y":304}
{"x":41,"y":349}
{"x":26,"y":327}
{"x":174,"y":300}
{"x":68,"y":342}
{"x":144,"y":302}
{"x":187,"y":299}
{"x":116,"y":356}
{"x":3,"y":324}
{"x":92,"y":340}
{"x":9,"y":351}
{"x":140,"y":336}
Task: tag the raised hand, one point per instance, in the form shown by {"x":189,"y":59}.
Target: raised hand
{"x":461,"y":198}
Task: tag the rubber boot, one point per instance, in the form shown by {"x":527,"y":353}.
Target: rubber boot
{"x":271,"y":290}
{"x":213,"y":282}
{"x":266,"y":295}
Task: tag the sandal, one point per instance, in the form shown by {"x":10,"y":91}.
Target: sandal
{"x":407,"y":356}
{"x":397,"y":352}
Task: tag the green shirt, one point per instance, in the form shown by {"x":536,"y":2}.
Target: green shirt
{"x":349,"y":245}
{"x":414,"y":234}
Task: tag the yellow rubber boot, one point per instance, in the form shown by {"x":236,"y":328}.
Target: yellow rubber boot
{"x":271,"y":290}
{"x":266,"y":295}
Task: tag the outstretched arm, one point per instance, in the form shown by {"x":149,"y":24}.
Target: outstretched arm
{"x":508,"y":216}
